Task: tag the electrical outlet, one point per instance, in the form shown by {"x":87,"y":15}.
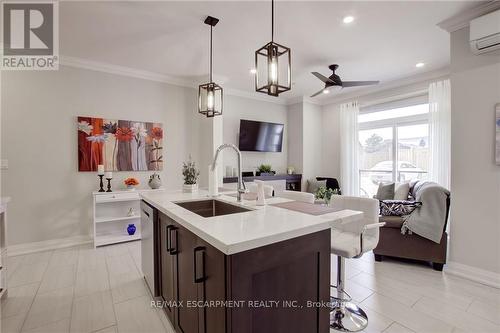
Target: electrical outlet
{"x":4,"y":164}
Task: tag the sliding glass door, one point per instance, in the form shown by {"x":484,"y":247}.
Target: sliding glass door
{"x":375,"y":159}
{"x":393,"y":147}
{"x":413,"y":152}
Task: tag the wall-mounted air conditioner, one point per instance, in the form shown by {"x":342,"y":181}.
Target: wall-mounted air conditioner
{"x":485,"y":33}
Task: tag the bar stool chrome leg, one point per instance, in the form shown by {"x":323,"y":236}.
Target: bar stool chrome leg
{"x":345,"y":315}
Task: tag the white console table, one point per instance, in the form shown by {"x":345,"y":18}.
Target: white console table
{"x":3,"y":247}
{"x":111,"y":217}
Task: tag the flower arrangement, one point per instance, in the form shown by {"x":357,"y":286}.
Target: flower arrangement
{"x":131,"y":182}
{"x":326,"y":194}
{"x":190,"y":172}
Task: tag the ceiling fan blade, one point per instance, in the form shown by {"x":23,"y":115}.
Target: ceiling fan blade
{"x":316,"y":94}
{"x":322,"y":77}
{"x":358,"y":83}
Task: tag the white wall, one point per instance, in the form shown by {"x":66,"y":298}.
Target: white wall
{"x":236,"y":108}
{"x":295,"y":138}
{"x":50,"y":198}
{"x":475,"y":179}
{"x":331,"y":141}
{"x":313,"y":142}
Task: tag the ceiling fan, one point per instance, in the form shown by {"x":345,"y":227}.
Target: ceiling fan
{"x":334,"y":80}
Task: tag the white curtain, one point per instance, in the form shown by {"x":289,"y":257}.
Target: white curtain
{"x":349,"y":170}
{"x":440,"y":132}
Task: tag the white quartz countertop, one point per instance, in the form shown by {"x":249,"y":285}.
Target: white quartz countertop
{"x":234,"y":233}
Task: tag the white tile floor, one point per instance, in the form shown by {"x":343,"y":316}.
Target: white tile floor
{"x":87,"y":290}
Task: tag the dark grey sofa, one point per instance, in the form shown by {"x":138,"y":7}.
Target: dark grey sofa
{"x":411,"y":246}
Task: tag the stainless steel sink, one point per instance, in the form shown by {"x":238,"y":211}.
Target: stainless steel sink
{"x":211,"y":208}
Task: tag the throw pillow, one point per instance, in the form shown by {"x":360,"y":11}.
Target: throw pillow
{"x":398,"y":207}
{"x":401,"y":192}
{"x":313,"y":185}
{"x":385,"y":191}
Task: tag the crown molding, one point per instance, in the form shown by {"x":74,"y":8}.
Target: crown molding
{"x":255,"y":96}
{"x":156,"y":77}
{"x":152,"y":76}
{"x":389,"y":85}
{"x":463,"y":19}
{"x":123,"y":71}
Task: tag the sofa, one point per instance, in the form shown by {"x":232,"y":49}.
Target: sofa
{"x":411,"y":246}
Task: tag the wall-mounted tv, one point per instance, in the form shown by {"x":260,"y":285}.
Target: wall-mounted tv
{"x":260,"y":136}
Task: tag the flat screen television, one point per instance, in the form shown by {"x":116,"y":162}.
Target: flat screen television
{"x":260,"y":136}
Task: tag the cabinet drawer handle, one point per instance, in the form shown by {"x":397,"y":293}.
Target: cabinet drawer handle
{"x":170,"y":247}
{"x":168,"y":236}
{"x":200,"y":250}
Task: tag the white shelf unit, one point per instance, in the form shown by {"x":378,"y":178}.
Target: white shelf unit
{"x":110,"y":216}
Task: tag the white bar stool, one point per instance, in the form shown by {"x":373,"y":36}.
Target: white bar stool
{"x":352,"y":240}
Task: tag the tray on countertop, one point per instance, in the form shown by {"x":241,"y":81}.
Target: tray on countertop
{"x":306,"y":208}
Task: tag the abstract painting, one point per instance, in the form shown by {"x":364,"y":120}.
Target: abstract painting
{"x":497,"y":122}
{"x":120,"y":145}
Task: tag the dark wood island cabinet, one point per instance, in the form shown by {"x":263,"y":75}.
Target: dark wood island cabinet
{"x":264,"y":290}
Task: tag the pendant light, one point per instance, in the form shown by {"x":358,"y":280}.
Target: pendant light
{"x":273,"y":61}
{"x":210,"y":99}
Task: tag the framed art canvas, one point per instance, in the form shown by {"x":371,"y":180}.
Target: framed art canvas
{"x":497,"y":134}
{"x":120,"y":145}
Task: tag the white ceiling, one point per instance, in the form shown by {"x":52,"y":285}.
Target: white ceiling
{"x":384,"y":42}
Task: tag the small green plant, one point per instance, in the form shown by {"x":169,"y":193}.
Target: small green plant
{"x":190,"y":172}
{"x":326,"y":194}
{"x":265,"y":168}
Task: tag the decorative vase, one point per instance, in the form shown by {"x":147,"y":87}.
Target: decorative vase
{"x":131,"y":187}
{"x":190,"y":188}
{"x":154,"y":181}
{"x":131,"y":229}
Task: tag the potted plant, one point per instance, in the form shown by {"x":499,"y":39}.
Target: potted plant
{"x":325,"y":194}
{"x":191,"y":175}
{"x":131,"y":183}
{"x":265,"y":170}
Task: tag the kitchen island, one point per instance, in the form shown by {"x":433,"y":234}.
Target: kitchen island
{"x":222,"y":266}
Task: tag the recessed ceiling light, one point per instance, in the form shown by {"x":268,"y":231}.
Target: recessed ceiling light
{"x":253,"y":71}
{"x":420,"y":65}
{"x":326,"y":91}
{"x":348,"y":19}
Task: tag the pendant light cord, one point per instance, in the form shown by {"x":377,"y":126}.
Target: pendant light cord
{"x":272,"y":20}
{"x":211,"y":29}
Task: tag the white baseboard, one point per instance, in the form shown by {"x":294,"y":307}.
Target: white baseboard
{"x":52,"y":244}
{"x":482,"y":276}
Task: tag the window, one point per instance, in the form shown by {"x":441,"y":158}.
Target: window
{"x":393,"y":144}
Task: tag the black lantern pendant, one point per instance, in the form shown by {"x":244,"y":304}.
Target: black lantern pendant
{"x":273,"y":66}
{"x":210,"y":99}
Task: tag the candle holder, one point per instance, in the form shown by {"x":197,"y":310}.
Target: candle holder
{"x":109,"y":184}
{"x":100,"y":183}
